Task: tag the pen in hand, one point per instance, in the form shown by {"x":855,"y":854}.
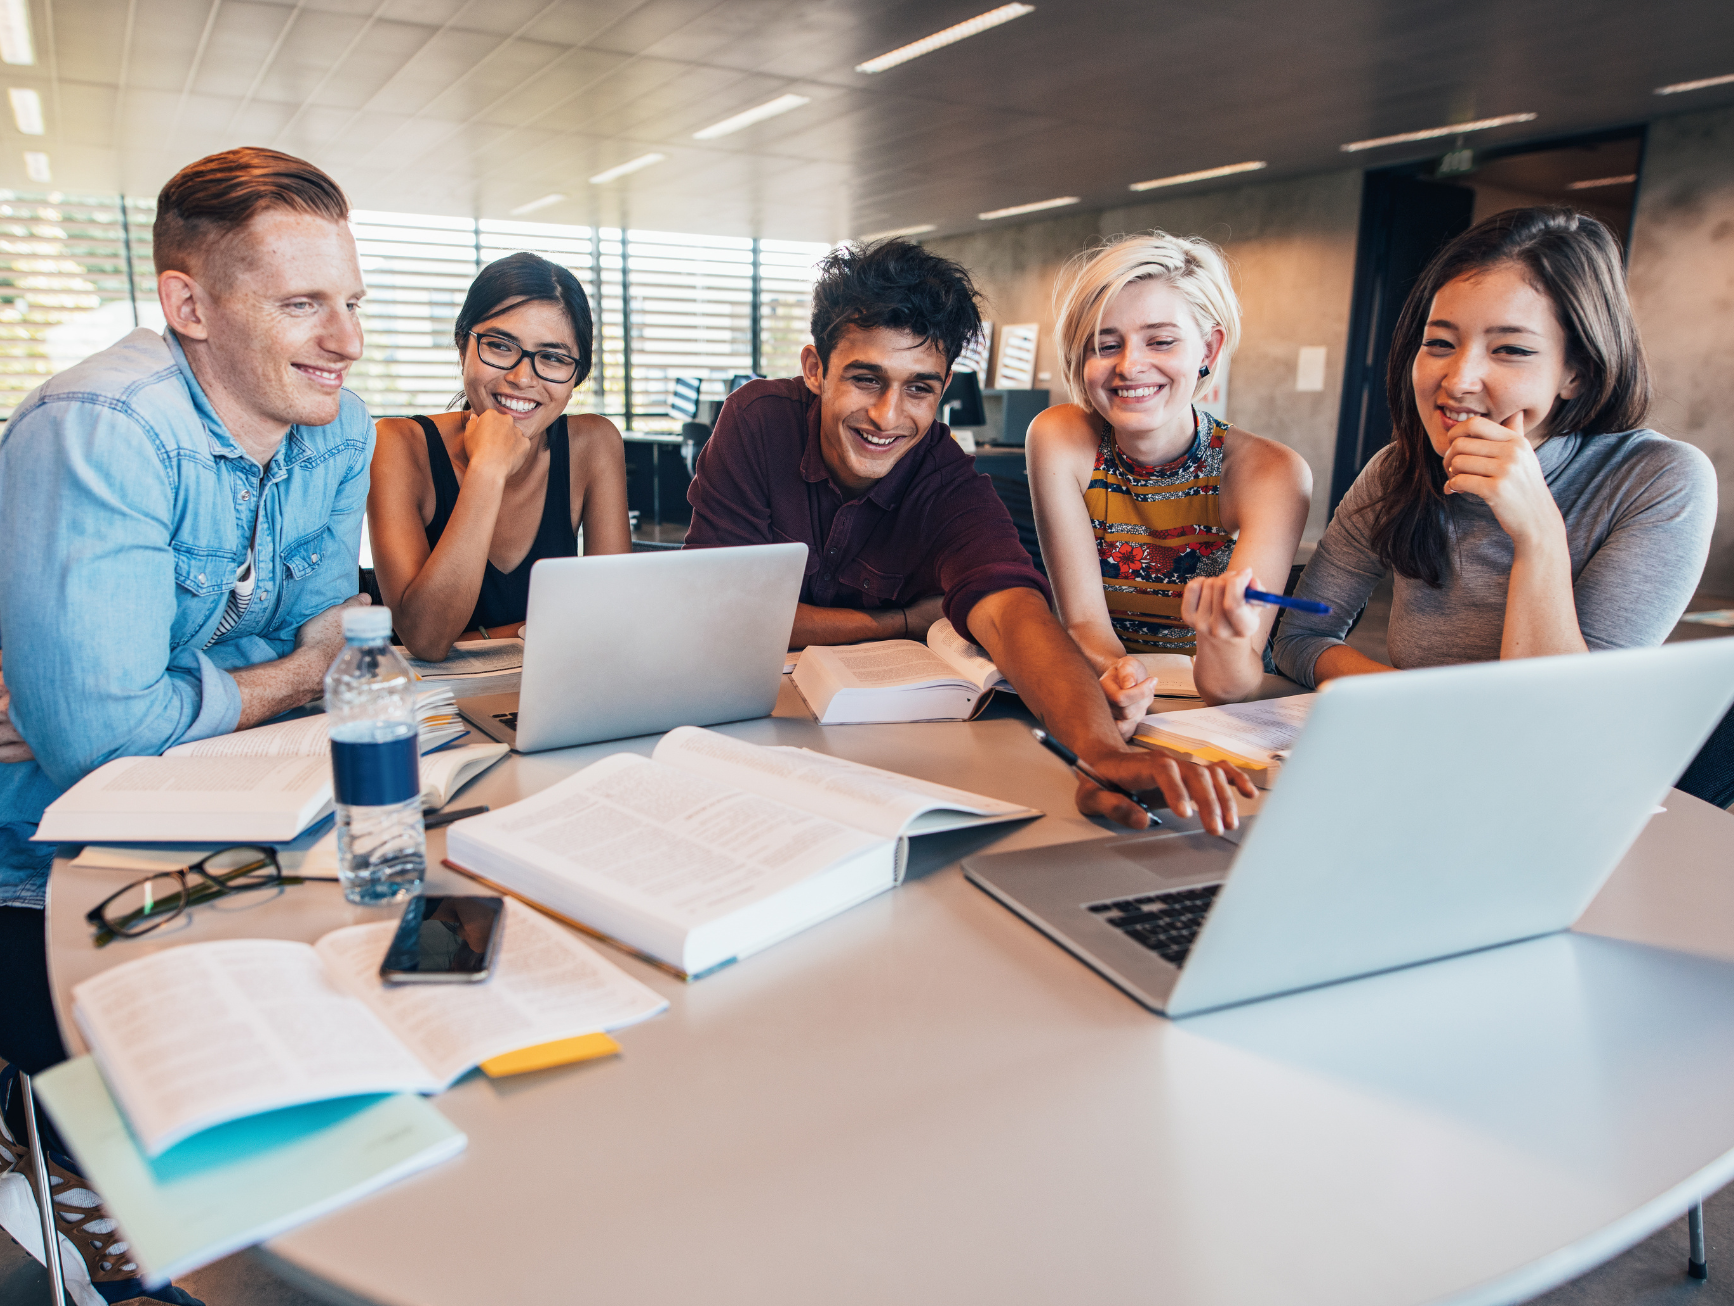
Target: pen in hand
{"x":1284,"y":601}
{"x":1089,"y":772}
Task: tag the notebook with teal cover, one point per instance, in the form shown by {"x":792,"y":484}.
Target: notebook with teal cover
{"x":239,"y":1183}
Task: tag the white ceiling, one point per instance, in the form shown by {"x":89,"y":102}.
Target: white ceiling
{"x":473,"y":107}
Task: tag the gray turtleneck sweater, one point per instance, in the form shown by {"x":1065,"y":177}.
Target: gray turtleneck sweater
{"x":1638,"y":510}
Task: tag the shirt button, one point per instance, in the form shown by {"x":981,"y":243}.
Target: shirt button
{"x":245,"y":495}
{"x":831,"y":553}
{"x":201,"y":578}
{"x":316,"y":557}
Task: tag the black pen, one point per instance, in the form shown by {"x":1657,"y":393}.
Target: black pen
{"x":456,"y":814}
{"x":1084,"y":769}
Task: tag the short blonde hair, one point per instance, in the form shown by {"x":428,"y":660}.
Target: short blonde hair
{"x":1192,"y":265}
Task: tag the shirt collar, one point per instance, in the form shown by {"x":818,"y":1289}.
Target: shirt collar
{"x":1556,"y":451}
{"x":223,"y":445}
{"x":886,"y":491}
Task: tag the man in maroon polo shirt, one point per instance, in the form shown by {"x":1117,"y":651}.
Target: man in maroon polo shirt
{"x":849,"y":460}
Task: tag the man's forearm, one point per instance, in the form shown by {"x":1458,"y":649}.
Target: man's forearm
{"x":269,"y":689}
{"x":816,"y":625}
{"x":1052,"y":677}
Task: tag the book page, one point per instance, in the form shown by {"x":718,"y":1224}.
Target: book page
{"x":474,"y":657}
{"x":303,"y":737}
{"x":1173,"y":672}
{"x":966,"y":659}
{"x":1263,"y":731}
{"x":547,"y":984}
{"x":881,"y":802}
{"x":673,"y":845}
{"x":208,"y":1032}
{"x":183,"y":784}
{"x":445,"y":772}
{"x":885,"y":662}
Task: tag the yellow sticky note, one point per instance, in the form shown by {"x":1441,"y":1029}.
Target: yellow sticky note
{"x":561,"y":1052}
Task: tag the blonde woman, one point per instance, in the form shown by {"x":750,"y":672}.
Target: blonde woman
{"x":1155,"y":516}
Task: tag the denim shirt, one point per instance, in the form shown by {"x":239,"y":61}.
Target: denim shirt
{"x":126,"y":509}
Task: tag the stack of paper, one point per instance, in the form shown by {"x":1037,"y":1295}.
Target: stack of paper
{"x":476,"y":667}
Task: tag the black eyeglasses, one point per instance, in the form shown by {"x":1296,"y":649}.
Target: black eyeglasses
{"x":551,"y":365}
{"x":155,"y":900}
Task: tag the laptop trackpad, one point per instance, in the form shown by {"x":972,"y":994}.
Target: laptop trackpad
{"x":1193,"y":858}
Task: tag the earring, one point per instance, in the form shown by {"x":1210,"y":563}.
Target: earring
{"x":1204,"y":371}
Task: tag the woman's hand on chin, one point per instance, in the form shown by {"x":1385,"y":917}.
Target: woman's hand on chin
{"x":492,"y":440}
{"x":1495,"y":462}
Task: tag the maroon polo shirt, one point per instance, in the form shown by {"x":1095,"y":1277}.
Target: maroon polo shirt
{"x":931,"y":526}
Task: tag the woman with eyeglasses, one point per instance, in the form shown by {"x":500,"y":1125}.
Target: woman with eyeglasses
{"x":465,"y":502}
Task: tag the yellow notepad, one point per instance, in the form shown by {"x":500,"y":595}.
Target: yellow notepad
{"x":561,"y":1052}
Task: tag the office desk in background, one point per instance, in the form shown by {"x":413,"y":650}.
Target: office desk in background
{"x":925,"y":1101}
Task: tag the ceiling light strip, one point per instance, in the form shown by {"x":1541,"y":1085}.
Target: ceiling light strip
{"x":36,"y":166}
{"x":16,"y":47}
{"x":1037,"y":207}
{"x":1433,"y":133}
{"x":1594,"y":182}
{"x":27,"y":110}
{"x":1203,"y":174}
{"x":1672,"y":88}
{"x":950,"y":36}
{"x":769,"y":109}
{"x":630,"y":166}
{"x":921,"y":229}
{"x":533,"y":205}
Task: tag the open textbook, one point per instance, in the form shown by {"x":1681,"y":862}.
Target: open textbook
{"x":945,"y":679}
{"x":712,"y":848}
{"x":196,"y":1035}
{"x":475,"y":667}
{"x":1256,"y":736}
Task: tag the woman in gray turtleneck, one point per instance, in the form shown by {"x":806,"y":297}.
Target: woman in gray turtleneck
{"x":1520,"y":503}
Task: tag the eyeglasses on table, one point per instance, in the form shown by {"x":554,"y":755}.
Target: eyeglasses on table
{"x":154,"y":900}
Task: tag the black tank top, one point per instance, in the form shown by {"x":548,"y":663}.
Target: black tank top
{"x":506,"y":595}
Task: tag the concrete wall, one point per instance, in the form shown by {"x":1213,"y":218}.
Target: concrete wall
{"x":1682,"y":287}
{"x":1292,"y":244}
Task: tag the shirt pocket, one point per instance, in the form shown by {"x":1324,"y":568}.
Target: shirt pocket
{"x":303,"y":558}
{"x":203,"y":579}
{"x":879,"y":587}
{"x":783,"y":537}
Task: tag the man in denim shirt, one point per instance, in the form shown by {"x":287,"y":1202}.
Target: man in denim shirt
{"x":179,"y":518}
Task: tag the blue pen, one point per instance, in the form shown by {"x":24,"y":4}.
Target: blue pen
{"x":1283,"y":601}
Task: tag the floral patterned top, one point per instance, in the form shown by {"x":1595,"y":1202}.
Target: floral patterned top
{"x":1157,"y":528}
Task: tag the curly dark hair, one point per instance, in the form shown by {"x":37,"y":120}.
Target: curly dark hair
{"x":897,"y":284}
{"x":1575,"y":261}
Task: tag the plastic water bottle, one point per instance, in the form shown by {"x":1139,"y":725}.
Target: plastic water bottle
{"x":375,"y":765}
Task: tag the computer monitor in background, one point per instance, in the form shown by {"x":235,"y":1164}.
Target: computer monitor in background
{"x":960,"y":405}
{"x":1010,"y":412}
{"x":741,"y":378}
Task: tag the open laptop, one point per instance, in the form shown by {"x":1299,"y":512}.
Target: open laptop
{"x":1421,"y":815}
{"x":634,"y":643}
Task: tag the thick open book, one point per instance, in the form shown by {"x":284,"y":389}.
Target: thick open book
{"x":1256,"y":737}
{"x":197,"y":1035}
{"x":945,"y":679}
{"x":263,"y":785}
{"x":443,"y":772}
{"x":475,"y":667}
{"x":711,"y":849}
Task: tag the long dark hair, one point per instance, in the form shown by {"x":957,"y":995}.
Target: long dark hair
{"x":523,"y":277}
{"x":1575,"y":261}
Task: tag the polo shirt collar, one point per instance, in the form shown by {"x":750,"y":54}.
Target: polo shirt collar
{"x":886,"y":491}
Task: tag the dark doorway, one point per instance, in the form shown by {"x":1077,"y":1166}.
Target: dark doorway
{"x":1409,"y":212}
{"x":1404,"y":221}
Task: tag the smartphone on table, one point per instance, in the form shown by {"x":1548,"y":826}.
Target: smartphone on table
{"x":445,"y":939}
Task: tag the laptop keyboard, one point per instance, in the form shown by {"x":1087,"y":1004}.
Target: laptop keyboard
{"x":507,"y":719}
{"x":1166,"y":923}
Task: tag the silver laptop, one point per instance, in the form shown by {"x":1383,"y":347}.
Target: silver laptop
{"x":1421,"y":815}
{"x":635,"y":643}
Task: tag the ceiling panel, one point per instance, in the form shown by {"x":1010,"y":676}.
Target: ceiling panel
{"x":476,"y":106}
